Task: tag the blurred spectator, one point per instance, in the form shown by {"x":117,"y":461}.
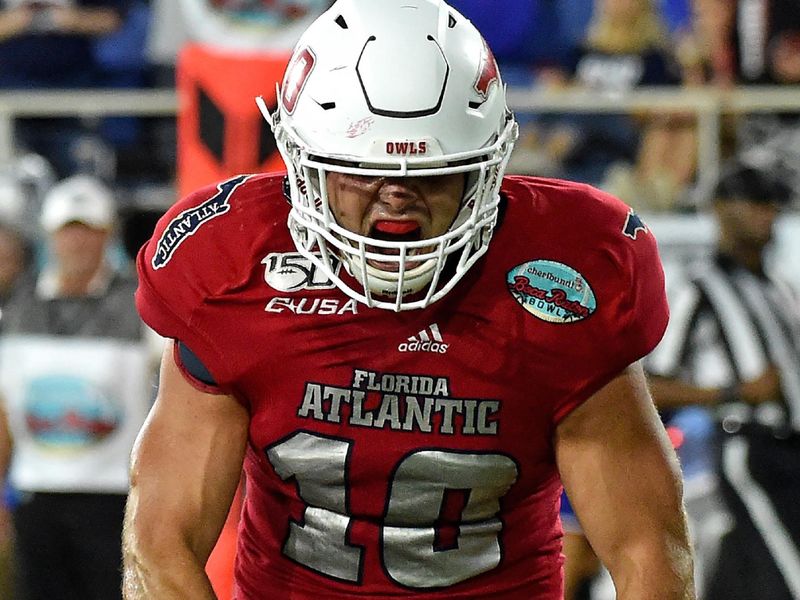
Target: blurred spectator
{"x":75,"y":373}
{"x":705,"y":45}
{"x":121,"y":61}
{"x":707,"y":57}
{"x":51,"y":44}
{"x":758,"y":24}
{"x":14,"y":253}
{"x":676,"y":13}
{"x":627,"y":46}
{"x":727,"y":43}
{"x":774,"y":137}
{"x":635,"y":32}
{"x":733,"y":347}
{"x":14,"y":258}
{"x":15,"y":248}
{"x":524,"y":35}
{"x":232,"y":25}
{"x":24,"y":181}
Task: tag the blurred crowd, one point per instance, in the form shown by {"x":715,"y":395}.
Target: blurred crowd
{"x":608,"y":47}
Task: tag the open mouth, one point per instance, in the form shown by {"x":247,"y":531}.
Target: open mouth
{"x":394,"y":231}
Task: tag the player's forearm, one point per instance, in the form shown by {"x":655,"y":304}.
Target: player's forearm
{"x":158,"y":561}
{"x":657,"y":570}
{"x":648,"y":552}
{"x":175,"y":575}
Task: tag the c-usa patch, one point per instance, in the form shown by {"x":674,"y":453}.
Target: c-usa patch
{"x":190,"y":220}
{"x":551,"y":291}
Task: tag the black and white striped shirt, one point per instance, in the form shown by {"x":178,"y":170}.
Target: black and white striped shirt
{"x":729,"y":325}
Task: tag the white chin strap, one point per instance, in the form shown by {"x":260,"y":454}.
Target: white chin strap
{"x":386,"y":283}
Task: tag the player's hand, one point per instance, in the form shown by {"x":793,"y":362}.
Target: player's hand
{"x":765,"y":388}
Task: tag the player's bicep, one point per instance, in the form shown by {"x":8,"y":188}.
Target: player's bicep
{"x":186,"y":463}
{"x":620,"y":471}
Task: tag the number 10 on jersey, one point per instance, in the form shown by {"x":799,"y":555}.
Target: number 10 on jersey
{"x":428,"y":489}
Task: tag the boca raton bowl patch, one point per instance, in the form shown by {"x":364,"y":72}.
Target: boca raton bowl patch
{"x":551,"y":291}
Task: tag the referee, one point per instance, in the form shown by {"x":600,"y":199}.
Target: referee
{"x":733,"y":345}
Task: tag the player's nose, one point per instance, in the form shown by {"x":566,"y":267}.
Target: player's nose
{"x":398,"y":194}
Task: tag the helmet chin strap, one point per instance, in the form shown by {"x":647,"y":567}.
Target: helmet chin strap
{"x":386,"y":283}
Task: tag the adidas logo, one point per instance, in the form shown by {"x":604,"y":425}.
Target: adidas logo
{"x":427,"y":340}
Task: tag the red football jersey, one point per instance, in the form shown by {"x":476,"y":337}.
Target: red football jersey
{"x":405,"y":454}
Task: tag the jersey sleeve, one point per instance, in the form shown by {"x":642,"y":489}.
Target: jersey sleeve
{"x":633,"y":312}
{"x":643,"y":311}
{"x":194,"y":258}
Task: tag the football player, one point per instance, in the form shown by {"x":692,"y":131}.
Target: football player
{"x":405,"y":396}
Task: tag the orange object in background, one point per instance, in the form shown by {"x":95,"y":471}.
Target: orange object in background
{"x":221,"y":132}
{"x":220,"y":564}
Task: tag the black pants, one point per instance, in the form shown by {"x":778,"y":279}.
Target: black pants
{"x":761,"y":485}
{"x":69,"y":546}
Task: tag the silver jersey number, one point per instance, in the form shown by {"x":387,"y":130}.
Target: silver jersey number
{"x":430,"y":492}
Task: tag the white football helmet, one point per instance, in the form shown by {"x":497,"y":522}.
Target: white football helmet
{"x":385,"y":88}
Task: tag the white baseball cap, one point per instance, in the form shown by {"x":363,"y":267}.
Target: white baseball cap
{"x":80,"y":198}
